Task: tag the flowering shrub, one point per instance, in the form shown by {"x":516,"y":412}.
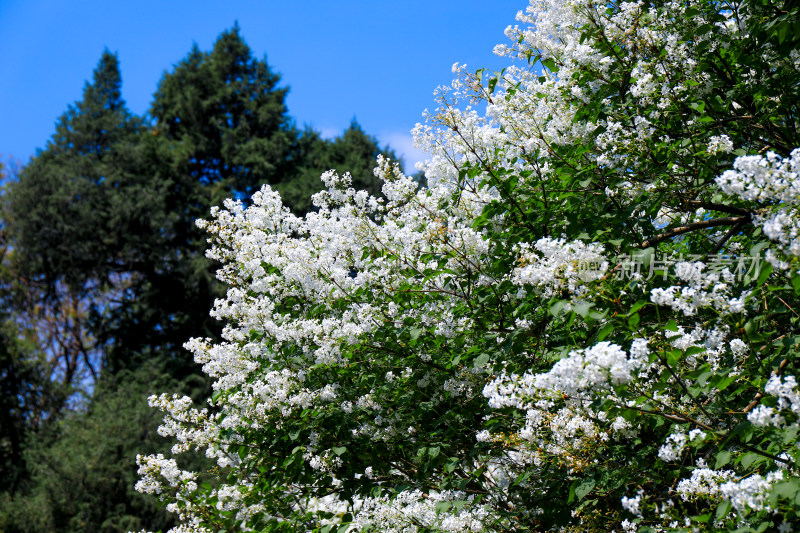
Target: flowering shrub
{"x":587,"y":321}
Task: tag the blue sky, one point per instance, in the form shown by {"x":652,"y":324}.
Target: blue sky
{"x":376,"y":60}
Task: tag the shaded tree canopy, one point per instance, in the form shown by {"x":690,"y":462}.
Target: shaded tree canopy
{"x":225,"y":118}
{"x":64,"y":214}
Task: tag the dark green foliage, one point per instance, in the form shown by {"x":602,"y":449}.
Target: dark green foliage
{"x":83,"y":469}
{"x":25,"y":396}
{"x":65,"y":222}
{"x":93,"y":222}
{"x":224,"y":119}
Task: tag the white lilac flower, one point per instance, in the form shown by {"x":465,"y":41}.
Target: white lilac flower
{"x":632,"y":504}
{"x":719,"y":144}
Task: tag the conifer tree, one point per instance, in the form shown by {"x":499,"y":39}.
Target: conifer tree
{"x":74,"y":219}
{"x":224,"y":118}
{"x":219,"y":127}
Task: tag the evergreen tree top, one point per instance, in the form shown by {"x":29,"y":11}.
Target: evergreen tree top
{"x":225,"y":116}
{"x":92,"y":124}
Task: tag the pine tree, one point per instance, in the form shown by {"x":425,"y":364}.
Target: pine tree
{"x":75,"y":219}
{"x":219,"y":127}
{"x":225,"y":119}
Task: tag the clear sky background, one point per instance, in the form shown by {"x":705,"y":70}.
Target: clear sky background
{"x":376,"y":60}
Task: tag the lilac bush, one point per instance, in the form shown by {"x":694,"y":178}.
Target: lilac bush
{"x":586,"y":321}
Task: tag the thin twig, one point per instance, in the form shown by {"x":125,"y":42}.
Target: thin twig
{"x":711,"y":206}
{"x":731,"y":232}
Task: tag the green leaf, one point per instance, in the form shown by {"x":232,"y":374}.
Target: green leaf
{"x":764,"y":272}
{"x":481,"y":360}
{"x":796,"y":282}
{"x":749,"y":459}
{"x":583,"y":308}
{"x":638,"y":305}
{"x":723,"y":458}
{"x":698,"y":106}
{"x":550,"y":65}
{"x":790,"y":435}
{"x":704,"y":28}
{"x":459,"y":504}
{"x":674,"y":357}
{"x":693,"y":350}
{"x":786,"y":489}
{"x":605,"y":331}
{"x":584,"y":488}
{"x":725,"y":382}
{"x":783,"y":31}
{"x":558,"y":307}
{"x":723,"y":509}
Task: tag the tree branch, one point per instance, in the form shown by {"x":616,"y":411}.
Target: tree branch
{"x":711,"y":206}
{"x":727,"y":221}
